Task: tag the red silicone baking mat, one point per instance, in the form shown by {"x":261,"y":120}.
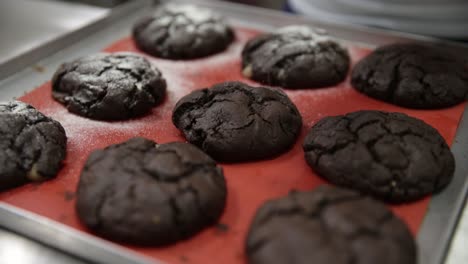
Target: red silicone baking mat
{"x":249,"y":184}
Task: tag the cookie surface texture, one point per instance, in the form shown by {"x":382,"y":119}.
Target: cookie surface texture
{"x":104,"y":86}
{"x":295,"y":57}
{"x":328,"y":225}
{"x":391,"y":156}
{"x":235,"y":122}
{"x":413,"y":76}
{"x":150,"y":194}
{"x":182,"y":32}
{"x":33,"y":145}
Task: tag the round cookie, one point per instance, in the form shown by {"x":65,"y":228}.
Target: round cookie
{"x":235,"y":122}
{"x":105,"y":86}
{"x":182,"y":32}
{"x":413,"y":76}
{"x":391,"y":156}
{"x":145,"y":193}
{"x":295,"y":57}
{"x":328,"y":225}
{"x":33,"y":145}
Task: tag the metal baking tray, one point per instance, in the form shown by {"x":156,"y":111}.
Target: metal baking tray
{"x":27,"y":72}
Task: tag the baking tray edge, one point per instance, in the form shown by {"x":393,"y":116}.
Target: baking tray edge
{"x":438,"y":226}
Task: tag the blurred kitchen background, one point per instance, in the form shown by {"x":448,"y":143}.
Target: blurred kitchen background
{"x":440,"y":18}
{"x":26,"y":24}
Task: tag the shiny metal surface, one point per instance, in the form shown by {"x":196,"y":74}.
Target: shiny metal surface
{"x":56,"y":42}
{"x":28,"y":24}
{"x":458,"y":253}
{"x":446,"y":208}
{"x":15,"y":249}
{"x":61,"y":237}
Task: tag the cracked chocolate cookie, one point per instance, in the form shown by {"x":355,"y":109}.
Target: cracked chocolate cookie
{"x":413,"y":76}
{"x":391,"y":156}
{"x":182,"y":32}
{"x":145,"y":193}
{"x":235,"y":122}
{"x":105,"y":86}
{"x":295,"y":57}
{"x":33,"y":145}
{"x":328,"y":225}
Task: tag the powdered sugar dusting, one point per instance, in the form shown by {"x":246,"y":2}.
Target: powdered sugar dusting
{"x":194,"y":13}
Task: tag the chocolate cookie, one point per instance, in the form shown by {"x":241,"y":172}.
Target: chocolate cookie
{"x":295,"y":57}
{"x":328,"y":225}
{"x":182,"y":32}
{"x":149,"y":194}
{"x":235,"y":122}
{"x":392,"y":156}
{"x":413,"y":75}
{"x":109,"y":86}
{"x":33,"y":145}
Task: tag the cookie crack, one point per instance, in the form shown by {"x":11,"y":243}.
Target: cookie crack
{"x":207,"y":101}
{"x":395,"y":181}
{"x":447,"y":94}
{"x":251,"y":122}
{"x":330,"y":151}
{"x":441,"y":172}
{"x":58,"y":79}
{"x":91,"y":103}
{"x":297,"y":209}
{"x":254,"y":112}
{"x":99,"y":98}
{"x":19,"y":151}
{"x":288,"y":60}
{"x":333,"y":65}
{"x":130,"y":101}
{"x":257,"y":245}
{"x":100,"y":204}
{"x":395,"y":82}
{"x":176,"y":215}
{"x":185,"y":162}
{"x":162,"y":40}
{"x":197,"y":202}
{"x":192,"y":168}
{"x":247,"y":53}
{"x":47,"y":138}
{"x":385,"y":218}
{"x":131,"y":73}
{"x":284,"y":129}
{"x":103,"y":70}
{"x":355,"y":131}
{"x":263,"y":100}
